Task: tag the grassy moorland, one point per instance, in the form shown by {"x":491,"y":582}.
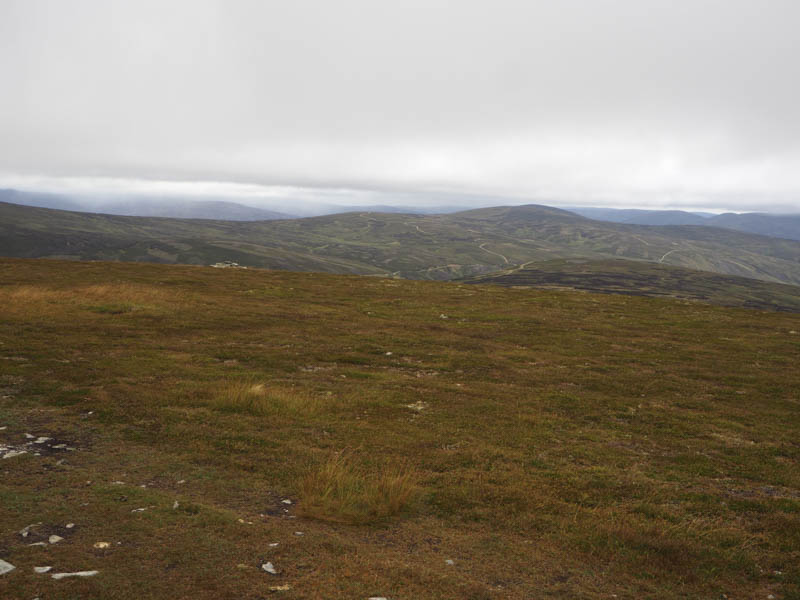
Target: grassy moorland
{"x":548,"y":444}
{"x":637,"y":278}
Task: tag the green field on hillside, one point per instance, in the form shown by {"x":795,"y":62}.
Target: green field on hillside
{"x":374,"y":437}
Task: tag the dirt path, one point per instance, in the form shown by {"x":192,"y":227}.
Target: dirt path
{"x":490,"y":252}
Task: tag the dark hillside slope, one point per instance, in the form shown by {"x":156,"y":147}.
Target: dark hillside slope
{"x":637,"y":278}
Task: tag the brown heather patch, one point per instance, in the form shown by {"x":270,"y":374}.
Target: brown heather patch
{"x":568,"y":445}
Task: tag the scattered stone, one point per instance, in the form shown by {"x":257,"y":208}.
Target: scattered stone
{"x":70,"y":525}
{"x":13,"y":453}
{"x":175,"y":505}
{"x":377,"y":598}
{"x":59,"y":446}
{"x":41,"y":440}
{"x":42,"y":569}
{"x":388,"y":354}
{"x":5,"y":567}
{"x":117,"y":483}
{"x":273,"y":545}
{"x":76,"y":574}
{"x":181,"y":482}
{"x":139,"y":509}
{"x":449,"y":561}
{"x":299,"y":533}
{"x":27,"y":529}
{"x":54,"y":539}
{"x":269,"y":568}
{"x":287,"y":501}
{"x":418,"y":406}
{"x":29,"y":436}
{"x":280,"y":588}
{"x":4,"y":427}
{"x":443,"y":316}
{"x":38,"y":544}
{"x":101,"y":545}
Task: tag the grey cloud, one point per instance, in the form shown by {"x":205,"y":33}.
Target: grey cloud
{"x":637,"y":102}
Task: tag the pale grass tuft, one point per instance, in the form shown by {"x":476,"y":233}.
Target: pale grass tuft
{"x":258,"y":399}
{"x":342,"y":491}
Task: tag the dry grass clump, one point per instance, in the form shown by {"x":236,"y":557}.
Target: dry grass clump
{"x":101,"y":298}
{"x":259,"y":400}
{"x":344,"y":492}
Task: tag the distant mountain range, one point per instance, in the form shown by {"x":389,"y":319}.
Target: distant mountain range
{"x":179,"y":208}
{"x":449,"y":246}
{"x":782,"y":226}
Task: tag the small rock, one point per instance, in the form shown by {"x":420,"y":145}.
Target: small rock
{"x":299,"y":533}
{"x":29,"y":436}
{"x":771,"y":597}
{"x":181,"y":482}
{"x":101,"y":545}
{"x":42,"y":569}
{"x":449,"y":561}
{"x":280,"y":588}
{"x":139,"y":510}
{"x":388,"y":354}
{"x":38,"y":544}
{"x":117,"y":483}
{"x":377,"y":598}
{"x":54,"y":539}
{"x":25,"y":530}
{"x":443,"y":316}
{"x":269,"y":568}
{"x":41,"y":440}
{"x":175,"y":505}
{"x":5,"y":567}
{"x":287,"y":501}
{"x":70,"y":525}
{"x":60,"y":447}
{"x":273,"y":545}
{"x":76,"y":574}
{"x":13,"y":453}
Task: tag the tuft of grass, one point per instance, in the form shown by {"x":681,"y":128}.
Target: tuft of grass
{"x":342,"y":491}
{"x":257,"y":399}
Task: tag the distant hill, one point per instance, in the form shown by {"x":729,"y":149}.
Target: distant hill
{"x":781,"y":226}
{"x":636,"y":278}
{"x":440,"y":247}
{"x":145,"y":207}
{"x":642,"y":217}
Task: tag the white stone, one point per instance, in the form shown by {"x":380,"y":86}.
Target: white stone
{"x":76,"y":574}
{"x":287,"y":501}
{"x":42,"y":569}
{"x":70,"y":525}
{"x":29,"y":436}
{"x":175,"y":505}
{"x":450,"y":561}
{"x":269,"y":568}
{"x":13,"y":453}
{"x":5,"y":567}
{"x":273,"y":545}
{"x":101,"y":545}
{"x":54,"y":539}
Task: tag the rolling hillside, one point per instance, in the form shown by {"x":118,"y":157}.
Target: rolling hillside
{"x":187,"y":432}
{"x":409,"y":246}
{"x":773,"y":225}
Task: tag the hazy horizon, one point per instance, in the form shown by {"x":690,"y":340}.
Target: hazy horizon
{"x":624,"y":104}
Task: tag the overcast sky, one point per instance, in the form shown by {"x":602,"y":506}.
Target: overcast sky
{"x":646,"y":103}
